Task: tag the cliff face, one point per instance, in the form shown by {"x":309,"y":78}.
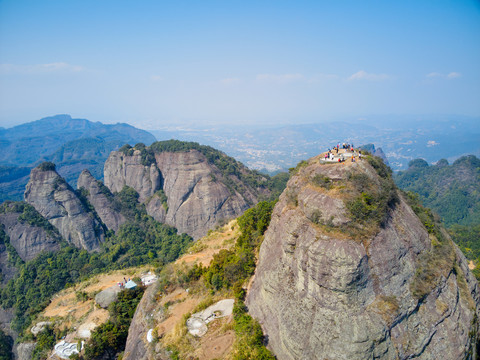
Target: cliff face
{"x":122,"y":170}
{"x":100,"y":200}
{"x":53,"y":198}
{"x":327,"y":288}
{"x":196,"y":200}
{"x":194,"y":196}
{"x":28,"y":240}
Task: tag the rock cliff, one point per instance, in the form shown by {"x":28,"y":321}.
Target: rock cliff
{"x":101,"y":199}
{"x":28,"y":240}
{"x":183,"y":184}
{"x":123,"y":170}
{"x":54,"y":199}
{"x":347,"y":270}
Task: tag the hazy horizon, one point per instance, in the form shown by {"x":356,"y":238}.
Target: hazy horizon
{"x":156,"y":64}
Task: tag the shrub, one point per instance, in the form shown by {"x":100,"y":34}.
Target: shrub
{"x":46,"y":166}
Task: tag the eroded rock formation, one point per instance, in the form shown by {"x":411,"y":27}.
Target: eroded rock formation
{"x":181,"y":188}
{"x":54,"y":199}
{"x":328,"y":287}
{"x":101,"y":200}
{"x":123,"y":170}
{"x":28,"y":240}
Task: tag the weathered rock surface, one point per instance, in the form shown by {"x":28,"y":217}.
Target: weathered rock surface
{"x":319,"y":293}
{"x":53,"y":198}
{"x":196,"y":200}
{"x":102,"y":203}
{"x":107,"y":296}
{"x":28,"y":240}
{"x":25,"y":350}
{"x":197,"y":197}
{"x":121,"y":170}
{"x":137,"y":347}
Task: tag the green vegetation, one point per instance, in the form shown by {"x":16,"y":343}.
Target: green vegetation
{"x":372,"y":201}
{"x":46,"y":166}
{"x":435,"y":263}
{"x":468,"y":240}
{"x":230,"y":267}
{"x":163,"y":198}
{"x":32,"y":217}
{"x":450,"y":190}
{"x":46,"y":340}
{"x":10,"y":173}
{"x":109,"y":339}
{"x":322,"y":181}
{"x":250,"y":342}
{"x":13,"y":258}
{"x":296,"y":169}
{"x":146,"y":153}
{"x":6,"y":343}
{"x":227,"y":274}
{"x":140,"y":241}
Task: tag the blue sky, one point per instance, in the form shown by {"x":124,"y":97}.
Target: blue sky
{"x":159,"y":63}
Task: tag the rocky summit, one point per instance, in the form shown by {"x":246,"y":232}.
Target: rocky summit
{"x":185,"y":185}
{"x":347,"y":270}
{"x":54,"y":199}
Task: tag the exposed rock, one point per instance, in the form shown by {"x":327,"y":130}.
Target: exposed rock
{"x":107,"y":296}
{"x":197,"y":200}
{"x":53,"y":198}
{"x":102,"y":203}
{"x":40,"y":326}
{"x":121,"y":170}
{"x":28,"y":240}
{"x":322,"y":293}
{"x":138,"y":347}
{"x":25,"y":350}
{"x":195,"y":195}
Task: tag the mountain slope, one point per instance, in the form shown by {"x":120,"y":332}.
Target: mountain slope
{"x":347,"y":270}
{"x":450,"y":190}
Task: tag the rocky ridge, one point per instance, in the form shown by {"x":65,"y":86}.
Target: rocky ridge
{"x":181,"y":187}
{"x":330,"y":287}
{"x":54,"y":199}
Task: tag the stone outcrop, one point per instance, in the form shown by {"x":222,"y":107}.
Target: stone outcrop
{"x":54,"y":199}
{"x":137,"y":346}
{"x":196,"y":198}
{"x":101,"y":200}
{"x":321,"y":292}
{"x":107,"y":296}
{"x":122,"y":170}
{"x":181,"y":188}
{"x":28,"y":240}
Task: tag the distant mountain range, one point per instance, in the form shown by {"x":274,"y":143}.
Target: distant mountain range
{"x":72,"y":144}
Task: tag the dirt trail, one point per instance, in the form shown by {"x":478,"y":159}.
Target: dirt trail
{"x":211,"y":244}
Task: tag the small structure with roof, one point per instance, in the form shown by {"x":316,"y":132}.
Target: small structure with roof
{"x":130,"y":284}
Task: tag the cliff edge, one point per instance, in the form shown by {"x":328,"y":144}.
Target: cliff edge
{"x":348,"y":270}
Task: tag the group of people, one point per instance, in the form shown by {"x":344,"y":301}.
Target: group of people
{"x":329,"y":155}
{"x":122,"y":284}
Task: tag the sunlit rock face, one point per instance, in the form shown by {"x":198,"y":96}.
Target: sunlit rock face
{"x":322,"y":292}
{"x":53,"y":198}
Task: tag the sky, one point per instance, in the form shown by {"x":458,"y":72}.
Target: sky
{"x":166,"y":63}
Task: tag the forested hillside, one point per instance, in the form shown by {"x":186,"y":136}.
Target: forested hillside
{"x":453,"y":192}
